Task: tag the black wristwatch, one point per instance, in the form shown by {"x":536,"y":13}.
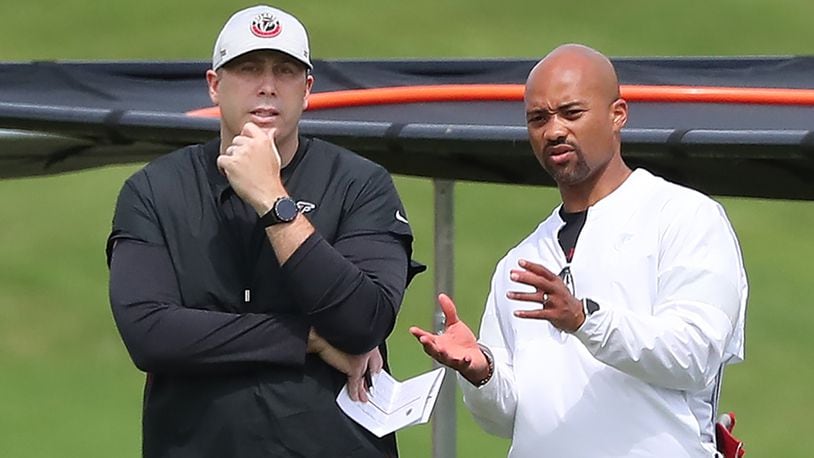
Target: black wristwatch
{"x":589,"y":306}
{"x":284,"y":210}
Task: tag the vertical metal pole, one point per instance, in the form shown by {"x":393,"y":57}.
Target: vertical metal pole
{"x":444,"y":434}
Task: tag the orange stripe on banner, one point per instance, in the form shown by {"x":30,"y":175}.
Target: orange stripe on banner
{"x":713,"y":94}
{"x":514,"y":93}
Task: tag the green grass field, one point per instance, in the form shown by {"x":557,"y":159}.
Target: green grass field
{"x":67,"y":387}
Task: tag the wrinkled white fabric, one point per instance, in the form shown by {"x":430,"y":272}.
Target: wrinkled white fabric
{"x":639,"y":378}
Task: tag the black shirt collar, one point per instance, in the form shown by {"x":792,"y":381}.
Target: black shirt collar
{"x":216,"y":179}
{"x":572,"y":217}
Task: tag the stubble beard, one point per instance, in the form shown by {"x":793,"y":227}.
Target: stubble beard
{"x":570,"y":174}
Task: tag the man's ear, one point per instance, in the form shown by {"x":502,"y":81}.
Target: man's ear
{"x":213,"y":82}
{"x":619,"y":114}
{"x":309,"y":83}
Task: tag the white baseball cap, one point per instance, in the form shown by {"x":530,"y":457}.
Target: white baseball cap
{"x":261,"y":27}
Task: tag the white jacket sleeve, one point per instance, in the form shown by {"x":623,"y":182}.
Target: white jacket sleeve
{"x":697,"y":318}
{"x":493,"y":405}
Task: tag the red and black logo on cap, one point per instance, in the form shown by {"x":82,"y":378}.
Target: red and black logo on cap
{"x":265,"y":25}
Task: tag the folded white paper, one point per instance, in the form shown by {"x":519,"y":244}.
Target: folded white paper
{"x":393,"y":405}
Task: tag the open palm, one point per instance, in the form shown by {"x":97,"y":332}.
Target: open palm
{"x":457,"y":346}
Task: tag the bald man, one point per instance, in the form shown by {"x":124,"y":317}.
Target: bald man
{"x":607,"y":329}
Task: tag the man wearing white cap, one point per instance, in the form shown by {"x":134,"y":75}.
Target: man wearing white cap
{"x":253,"y":276}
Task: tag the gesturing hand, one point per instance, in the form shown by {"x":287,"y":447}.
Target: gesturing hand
{"x":456,"y":347}
{"x":558,"y":305}
{"x":252,"y":166}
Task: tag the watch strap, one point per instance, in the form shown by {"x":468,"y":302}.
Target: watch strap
{"x":589,"y":307}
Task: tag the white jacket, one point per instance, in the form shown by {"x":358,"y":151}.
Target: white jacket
{"x":640,"y":378}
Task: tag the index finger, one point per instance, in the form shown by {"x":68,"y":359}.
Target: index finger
{"x":418,"y":332}
{"x":538,"y":269}
{"x":251,"y":130}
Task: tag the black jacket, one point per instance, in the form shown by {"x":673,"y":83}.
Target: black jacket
{"x":204,"y":307}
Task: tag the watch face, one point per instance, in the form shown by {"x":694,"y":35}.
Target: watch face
{"x":286,"y":209}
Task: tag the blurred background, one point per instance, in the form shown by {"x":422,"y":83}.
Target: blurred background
{"x":67,"y":386}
